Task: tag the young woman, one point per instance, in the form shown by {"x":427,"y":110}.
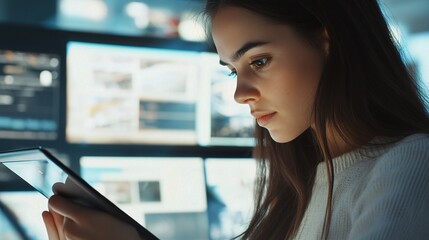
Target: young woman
{"x":342,"y":126}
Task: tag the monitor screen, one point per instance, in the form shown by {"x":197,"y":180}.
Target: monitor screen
{"x":166,"y":195}
{"x":230,"y":184}
{"x":21,"y":218}
{"x":126,"y":94}
{"x":118,"y":94}
{"x":29,"y":95}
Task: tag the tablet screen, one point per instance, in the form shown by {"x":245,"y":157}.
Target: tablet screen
{"x":48,"y":176}
{"x":34,"y":167}
{"x":45,"y":175}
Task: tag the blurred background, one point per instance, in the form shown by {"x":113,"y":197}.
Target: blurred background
{"x":129,"y":95}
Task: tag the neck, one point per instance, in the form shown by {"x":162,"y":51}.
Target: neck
{"x":337,"y":144}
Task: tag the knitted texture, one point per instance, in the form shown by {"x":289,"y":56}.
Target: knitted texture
{"x":381,"y":191}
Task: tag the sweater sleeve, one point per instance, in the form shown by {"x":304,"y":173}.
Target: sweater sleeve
{"x":394,"y":204}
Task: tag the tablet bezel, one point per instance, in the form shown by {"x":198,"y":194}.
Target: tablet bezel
{"x":102,"y":203}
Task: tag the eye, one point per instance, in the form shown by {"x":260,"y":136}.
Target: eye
{"x":260,"y":63}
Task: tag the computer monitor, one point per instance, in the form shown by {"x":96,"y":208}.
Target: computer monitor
{"x":21,"y":215}
{"x":122,"y":94}
{"x":166,"y":195}
{"x":29,"y":95}
{"x":230,"y":184}
{"x":119,"y":94}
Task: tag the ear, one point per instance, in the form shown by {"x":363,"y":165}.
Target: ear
{"x":325,"y":41}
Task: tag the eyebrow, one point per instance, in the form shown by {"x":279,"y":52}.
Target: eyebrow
{"x":240,"y":52}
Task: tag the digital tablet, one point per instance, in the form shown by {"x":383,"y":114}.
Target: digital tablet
{"x":44,"y":172}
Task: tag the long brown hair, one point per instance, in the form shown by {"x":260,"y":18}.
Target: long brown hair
{"x":365,"y":91}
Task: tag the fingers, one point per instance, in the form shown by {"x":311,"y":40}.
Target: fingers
{"x":72,"y":230}
{"x":58,"y":227}
{"x":51,"y":228}
{"x":64,"y":207}
{"x":58,"y":187}
{"x":69,"y":220}
{"x":67,"y":217}
{"x":59,"y":223}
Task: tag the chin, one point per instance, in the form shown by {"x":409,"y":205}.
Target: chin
{"x":283,"y":138}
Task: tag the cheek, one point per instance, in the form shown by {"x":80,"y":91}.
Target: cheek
{"x":305,"y":63}
{"x":297,"y":78}
{"x":304,"y":70}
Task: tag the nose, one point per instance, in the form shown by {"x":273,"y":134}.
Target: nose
{"x":245,"y":92}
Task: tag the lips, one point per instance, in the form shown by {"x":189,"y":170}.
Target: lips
{"x":263,"y":118}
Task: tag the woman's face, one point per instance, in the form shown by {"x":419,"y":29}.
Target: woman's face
{"x":277,"y":71}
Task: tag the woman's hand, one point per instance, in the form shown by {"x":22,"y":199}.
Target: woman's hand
{"x":69,"y":220}
{"x":52,"y":220}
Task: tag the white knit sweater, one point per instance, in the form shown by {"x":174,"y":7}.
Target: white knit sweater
{"x":380,"y":192}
